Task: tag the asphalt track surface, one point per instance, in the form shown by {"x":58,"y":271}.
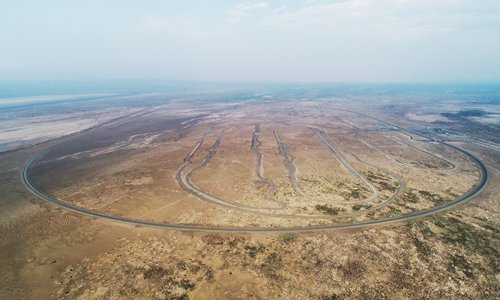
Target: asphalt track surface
{"x":478,"y":187}
{"x":289,"y":161}
{"x":259,"y":167}
{"x":186,"y":182}
{"x":326,"y":141}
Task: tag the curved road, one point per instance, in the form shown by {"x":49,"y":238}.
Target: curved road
{"x":480,"y":185}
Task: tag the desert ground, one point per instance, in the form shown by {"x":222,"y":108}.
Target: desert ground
{"x":299,"y":199}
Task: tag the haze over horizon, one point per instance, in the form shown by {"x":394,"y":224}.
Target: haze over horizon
{"x":340,"y":41}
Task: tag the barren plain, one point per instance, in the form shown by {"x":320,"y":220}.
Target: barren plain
{"x":291,"y":199}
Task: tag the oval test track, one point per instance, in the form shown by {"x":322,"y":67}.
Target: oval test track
{"x":480,"y":185}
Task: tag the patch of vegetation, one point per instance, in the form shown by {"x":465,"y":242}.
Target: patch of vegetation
{"x":489,"y":227}
{"x":253,"y":250}
{"x":234,"y":241}
{"x":459,"y":262}
{"x":358,"y":207}
{"x":424,"y":228}
{"x":187,"y":285}
{"x":156,"y":273}
{"x":422,"y":248}
{"x":287,"y":238}
{"x":410,"y":196}
{"x":401,"y":278}
{"x":181,"y":265}
{"x":387,"y":186}
{"x":328,"y":209}
{"x":381,"y":180}
{"x":376,"y":177}
{"x":169,"y":283}
{"x":353,"y":269}
{"x":209,"y":275}
{"x":472,"y":238}
{"x":329,"y":297}
{"x":213,"y":239}
{"x":437,"y":199}
{"x":181,"y":297}
{"x":271,"y":264}
{"x":439,"y":223}
{"x":393,"y":209}
{"x":355,"y":194}
{"x":371,"y":214}
{"x":425,"y":194}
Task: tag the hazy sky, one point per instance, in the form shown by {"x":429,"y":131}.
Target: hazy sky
{"x":339,"y":41}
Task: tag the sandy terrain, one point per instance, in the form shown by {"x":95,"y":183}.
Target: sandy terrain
{"x":349,"y":169}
